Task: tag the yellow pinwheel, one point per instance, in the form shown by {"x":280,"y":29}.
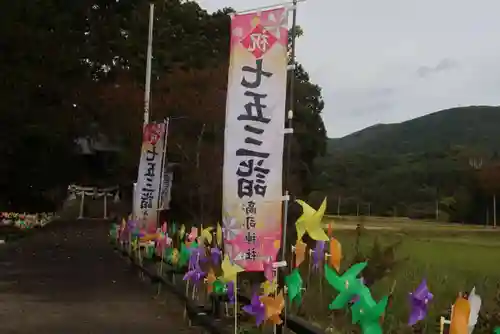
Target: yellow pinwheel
{"x":269,"y":287}
{"x":182,"y":231}
{"x":230,"y":271}
{"x":174,"y":257}
{"x":206,"y":235}
{"x":218,"y":235}
{"x":310,"y":222}
{"x":307,"y":211}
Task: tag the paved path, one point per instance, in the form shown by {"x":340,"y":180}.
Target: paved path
{"x":68,"y":280}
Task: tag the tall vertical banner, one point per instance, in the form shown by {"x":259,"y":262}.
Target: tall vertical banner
{"x":254,"y":137}
{"x":166,"y":191}
{"x":147,"y":190}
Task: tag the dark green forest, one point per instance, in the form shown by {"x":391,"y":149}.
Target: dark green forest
{"x":74,"y":70}
{"x":447,"y":160}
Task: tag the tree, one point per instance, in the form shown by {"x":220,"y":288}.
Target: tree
{"x":489,"y":181}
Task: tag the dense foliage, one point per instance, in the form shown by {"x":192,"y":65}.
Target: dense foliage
{"x":446,"y":160}
{"x":76,"y":69}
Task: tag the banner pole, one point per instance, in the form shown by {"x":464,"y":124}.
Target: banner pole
{"x":289,"y":138}
{"x":147,"y":90}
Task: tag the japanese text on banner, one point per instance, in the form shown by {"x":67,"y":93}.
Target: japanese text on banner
{"x":149,"y":176}
{"x":253,"y":150}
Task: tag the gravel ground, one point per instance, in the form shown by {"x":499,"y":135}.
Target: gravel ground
{"x":68,"y":280}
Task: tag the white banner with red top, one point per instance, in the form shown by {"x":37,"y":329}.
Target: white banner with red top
{"x":254,"y":137}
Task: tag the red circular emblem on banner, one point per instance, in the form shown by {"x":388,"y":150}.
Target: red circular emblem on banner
{"x":152,"y":133}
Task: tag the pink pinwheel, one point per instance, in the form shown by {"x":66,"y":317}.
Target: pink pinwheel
{"x":257,"y":309}
{"x":164,"y":228}
{"x":195,"y":274}
{"x":123,"y":233}
{"x":319,"y":254}
{"x":162,"y":242}
{"x":193,"y":234}
{"x":268,"y":270}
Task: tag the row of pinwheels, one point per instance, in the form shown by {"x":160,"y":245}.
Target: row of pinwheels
{"x":202,"y":253}
{"x":25,"y":221}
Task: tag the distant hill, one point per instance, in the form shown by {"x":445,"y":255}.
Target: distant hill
{"x":473,"y":127}
{"x":405,"y":168}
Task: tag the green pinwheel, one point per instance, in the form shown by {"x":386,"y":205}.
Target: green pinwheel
{"x":348,"y":285}
{"x":183,"y":256}
{"x":149,"y":251}
{"x":366,"y":312}
{"x":497,"y":330}
{"x":293,"y":283}
{"x":219,"y":287}
{"x":113,"y":232}
{"x":167,"y":253}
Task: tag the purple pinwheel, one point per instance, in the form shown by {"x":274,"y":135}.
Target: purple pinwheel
{"x":124,"y":234}
{"x":319,"y":254}
{"x":194,"y":260}
{"x":230,"y":292}
{"x":200,"y":251}
{"x":195,"y":274}
{"x":215,"y":255}
{"x":419,"y":300}
{"x":256,"y":309}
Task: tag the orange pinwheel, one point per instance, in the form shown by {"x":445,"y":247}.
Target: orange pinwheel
{"x":149,"y":237}
{"x":330,"y":230}
{"x":300,"y":252}
{"x":459,"y":323}
{"x":335,"y":254}
{"x":210,"y":280}
{"x":274,"y":306}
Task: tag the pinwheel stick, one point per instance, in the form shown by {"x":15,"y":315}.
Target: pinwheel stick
{"x":187,"y":295}
{"x":236,"y":331}
{"x":160,"y":272}
{"x":442,"y":322}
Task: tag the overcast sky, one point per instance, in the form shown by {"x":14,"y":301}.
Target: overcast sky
{"x":385,"y":61}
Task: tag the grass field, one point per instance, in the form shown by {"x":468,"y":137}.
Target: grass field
{"x":453,"y":258}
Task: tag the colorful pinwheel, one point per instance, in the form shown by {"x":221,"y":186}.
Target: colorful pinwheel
{"x":348,"y":285}
{"x":419,"y":300}
{"x":195,"y":274}
{"x":294,"y":283}
{"x":366,"y":312}
{"x":256,"y":309}
{"x":318,"y":254}
{"x":311,"y":222}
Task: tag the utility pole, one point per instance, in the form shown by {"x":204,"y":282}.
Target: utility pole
{"x":338,"y":205}
{"x":494,"y":211}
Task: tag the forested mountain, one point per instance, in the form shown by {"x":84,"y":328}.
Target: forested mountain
{"x":406,"y":168}
{"x":473,"y":127}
